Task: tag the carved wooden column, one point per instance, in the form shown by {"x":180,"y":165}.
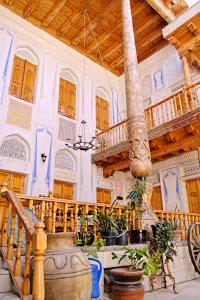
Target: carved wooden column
{"x":186,"y":70}
{"x":139,"y":153}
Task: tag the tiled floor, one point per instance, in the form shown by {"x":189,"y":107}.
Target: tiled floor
{"x":189,"y":290}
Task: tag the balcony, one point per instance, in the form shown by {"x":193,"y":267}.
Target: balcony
{"x":173,"y":126}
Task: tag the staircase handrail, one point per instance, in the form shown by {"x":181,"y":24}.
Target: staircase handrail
{"x":14,"y":220}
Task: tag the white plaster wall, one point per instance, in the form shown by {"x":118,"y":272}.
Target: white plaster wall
{"x":52,"y":57}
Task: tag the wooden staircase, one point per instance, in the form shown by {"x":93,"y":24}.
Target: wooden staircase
{"x":7,"y":290}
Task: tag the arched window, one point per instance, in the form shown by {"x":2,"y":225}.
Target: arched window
{"x":14,"y":147}
{"x":67,"y":94}
{"x":64,"y":161}
{"x":22,"y":84}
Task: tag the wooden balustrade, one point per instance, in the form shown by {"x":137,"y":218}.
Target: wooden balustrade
{"x":22,"y":243}
{"x":62,"y":215}
{"x":177,"y":104}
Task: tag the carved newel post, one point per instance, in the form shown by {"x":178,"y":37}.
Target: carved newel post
{"x":139,"y":152}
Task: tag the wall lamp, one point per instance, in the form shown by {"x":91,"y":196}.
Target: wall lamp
{"x":43,"y":157}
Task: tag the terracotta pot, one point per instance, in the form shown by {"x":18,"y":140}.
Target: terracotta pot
{"x":67,"y":270}
{"x":127,"y":284}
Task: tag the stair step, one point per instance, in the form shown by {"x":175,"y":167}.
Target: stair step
{"x":6,"y":284}
{"x":9,"y":296}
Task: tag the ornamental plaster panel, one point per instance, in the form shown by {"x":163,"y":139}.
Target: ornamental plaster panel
{"x":14,"y":165}
{"x":13,"y":148}
{"x":64,"y":161}
{"x":181,"y":160}
{"x":180,"y":20}
{"x":67,"y":130}
{"x":65,"y":175}
{"x":191,"y":170}
{"x":105,"y":184}
{"x":19,"y":114}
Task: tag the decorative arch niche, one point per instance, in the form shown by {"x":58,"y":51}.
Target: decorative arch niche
{"x":28,"y":54}
{"x":15,"y":147}
{"x":64,"y":160}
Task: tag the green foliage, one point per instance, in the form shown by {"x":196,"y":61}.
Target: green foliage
{"x":137,"y":194}
{"x":99,"y":243}
{"x":140,"y":259}
{"x":122,"y":222}
{"x":105,"y":221}
{"x":164,"y":243}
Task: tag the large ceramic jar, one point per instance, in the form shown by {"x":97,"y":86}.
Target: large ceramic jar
{"x":67,"y":270}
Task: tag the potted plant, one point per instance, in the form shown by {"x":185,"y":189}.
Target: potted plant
{"x":123,"y":233}
{"x":127,"y":281}
{"x":137,"y":235}
{"x":166,"y":246}
{"x":106,"y":223}
{"x":86,"y":235}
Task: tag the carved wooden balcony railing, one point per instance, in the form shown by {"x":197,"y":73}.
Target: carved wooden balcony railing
{"x":62,"y":215}
{"x":166,"y":110}
{"x":30,"y":241}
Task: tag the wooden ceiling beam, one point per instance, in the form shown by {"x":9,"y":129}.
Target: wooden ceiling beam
{"x":106,"y":35}
{"x":112,"y":49}
{"x":30,"y":8}
{"x":162,"y":10}
{"x":53,"y":12}
{"x":146,"y":24}
{"x":149,"y":38}
{"x":173,"y":147}
{"x":193,"y":29}
{"x":189,"y":45}
{"x":117,"y":61}
{"x":96,"y":21}
{"x":8,"y":2}
{"x":103,"y":37}
{"x":73,"y":18}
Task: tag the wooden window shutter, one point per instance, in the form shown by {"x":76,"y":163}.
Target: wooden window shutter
{"x":62,"y":102}
{"x":106,"y":197}
{"x":58,"y":189}
{"x":17,"y":183}
{"x":156,"y":198}
{"x":29,"y":81}
{"x":98,"y":113}
{"x":71,"y":100}
{"x":99,"y":195}
{"x":67,"y":191}
{"x":17,"y":76}
{"x":105,"y":114}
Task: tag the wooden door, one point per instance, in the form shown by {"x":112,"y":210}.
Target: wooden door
{"x":15,"y":181}
{"x":156,"y":199}
{"x":63,"y":190}
{"x":193,"y":193}
{"x":103,"y":196}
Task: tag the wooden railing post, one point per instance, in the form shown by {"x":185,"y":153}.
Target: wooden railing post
{"x":3,"y":188}
{"x":39,"y":245}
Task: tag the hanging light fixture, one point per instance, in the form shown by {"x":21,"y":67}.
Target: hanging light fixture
{"x":81,"y":142}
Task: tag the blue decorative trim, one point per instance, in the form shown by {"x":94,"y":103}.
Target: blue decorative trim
{"x":5,"y":71}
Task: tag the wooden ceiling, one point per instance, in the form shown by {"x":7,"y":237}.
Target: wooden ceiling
{"x":170,"y":139}
{"x":64,"y":20}
{"x":186,"y":39}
